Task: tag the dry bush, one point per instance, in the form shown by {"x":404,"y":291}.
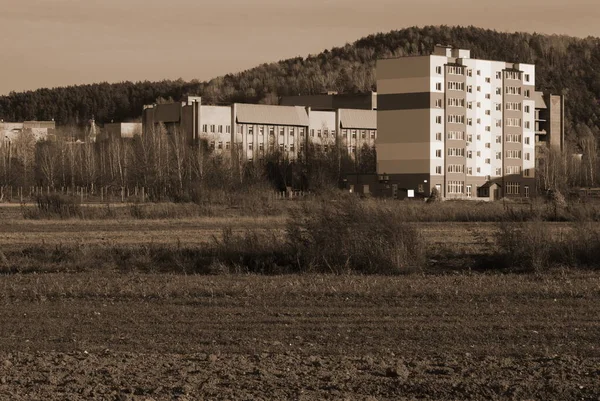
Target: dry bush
{"x":351,"y":235}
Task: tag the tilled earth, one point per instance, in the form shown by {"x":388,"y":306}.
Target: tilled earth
{"x":117,"y":336}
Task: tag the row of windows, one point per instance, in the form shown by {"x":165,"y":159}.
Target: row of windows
{"x":513,"y":122}
{"x":456,"y":102}
{"x":516,"y":138}
{"x":455,"y":118}
{"x":513,"y":170}
{"x":456,"y":168}
{"x":456,"y":135}
{"x":513,"y":188}
{"x":458,"y":70}
{"x":456,"y":187}
{"x":216,"y":128}
{"x":456,"y":86}
{"x":513,"y":154}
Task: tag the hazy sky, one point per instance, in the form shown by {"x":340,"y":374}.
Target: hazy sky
{"x":47,"y":43}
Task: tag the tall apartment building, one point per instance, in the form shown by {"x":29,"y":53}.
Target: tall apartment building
{"x":461,"y":125}
{"x":256,"y":130}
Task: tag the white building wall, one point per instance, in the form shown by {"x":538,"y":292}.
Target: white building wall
{"x":214,"y":123}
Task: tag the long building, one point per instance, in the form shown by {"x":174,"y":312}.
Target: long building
{"x":464,"y":126}
{"x":254,"y":130}
{"x":9,"y":131}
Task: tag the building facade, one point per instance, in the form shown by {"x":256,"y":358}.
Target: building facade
{"x":464,"y":126}
{"x":253,"y":131}
{"x":40,"y":130}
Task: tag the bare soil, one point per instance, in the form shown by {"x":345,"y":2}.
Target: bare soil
{"x":115,"y":336}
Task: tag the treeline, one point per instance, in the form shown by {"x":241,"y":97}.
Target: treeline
{"x":166,"y":166}
{"x":565,"y":65}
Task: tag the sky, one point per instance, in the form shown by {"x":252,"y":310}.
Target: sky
{"x":49,"y":43}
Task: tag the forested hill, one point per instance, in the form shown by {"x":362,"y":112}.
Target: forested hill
{"x":565,"y":65}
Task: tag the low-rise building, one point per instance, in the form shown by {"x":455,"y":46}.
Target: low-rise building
{"x":40,"y":130}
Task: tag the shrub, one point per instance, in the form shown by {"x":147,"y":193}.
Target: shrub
{"x":526,"y":245}
{"x":352,"y":235}
{"x":54,"y":205}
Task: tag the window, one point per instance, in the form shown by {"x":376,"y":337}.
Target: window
{"x":488,"y":80}
{"x":456,"y":152}
{"x":513,"y":170}
{"x":513,"y":188}
{"x":487,"y":145}
{"x":291,"y":131}
{"x":469,"y":170}
{"x":438,"y":169}
{"x":478,"y":137}
{"x":470,"y":105}
{"x":469,"y":73}
{"x":513,"y":90}
{"x":527,"y":156}
{"x":488,"y":112}
{"x":454,"y":102}
{"x":478,"y":88}
{"x":456,"y":187}
{"x":488,"y":128}
{"x":261,"y":130}
{"x":456,"y":70}
{"x":478,"y":153}
{"x":498,"y":91}
{"x":281,"y":147}
{"x":220,"y":129}
{"x":261,"y":146}
{"x":469,"y":154}
{"x":487,"y":161}
{"x":312,"y":132}
{"x":513,"y":106}
{"x":526,"y":140}
{"x":498,"y":75}
{"x":478,"y":72}
{"x":456,"y":135}
{"x":333,"y":133}
{"x":363,"y":134}
{"x":456,"y":86}
{"x":498,"y":155}
{"x":204,"y":128}
{"x":516,"y":138}
{"x":527,"y":108}
{"x":479,"y":121}
{"x":281,"y":131}
{"x":220,"y":145}
{"x":487,"y":96}
{"x":498,"y":171}
{"x":438,"y":136}
{"x":271,"y":131}
{"x":470,"y":88}
{"x":470,"y":138}
{"x":438,"y":86}
{"x":250,"y":130}
{"x":438,"y":153}
{"x":469,"y":121}
{"x":478,"y":170}
{"x":469,"y":190}
{"x":456,"y":168}
{"x":513,"y":122}
{"x":302,"y":132}
{"x":438,"y":103}
{"x":513,"y":154}
{"x":454,"y":118}
{"x":212,"y":128}
{"x":319,"y":133}
{"x":526,"y":188}
{"x":438,"y":119}
{"x":250,"y":146}
{"x":292,"y":148}
{"x":527,"y":77}
{"x":212,"y":144}
{"x":354,"y":134}
{"x":228,"y":129}
{"x":438,"y":70}
{"x":527,"y":172}
{"x":372,"y":134}
{"x":478,"y":105}
{"x":227,"y":145}
{"x":516,"y":75}
{"x":527,"y":125}
{"x":498,"y":123}
{"x":498,"y":139}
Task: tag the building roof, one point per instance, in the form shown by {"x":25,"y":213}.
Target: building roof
{"x":271,"y":115}
{"x":355,"y":118}
{"x":538,"y":97}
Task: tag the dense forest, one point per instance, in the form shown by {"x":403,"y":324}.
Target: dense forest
{"x":565,"y":65}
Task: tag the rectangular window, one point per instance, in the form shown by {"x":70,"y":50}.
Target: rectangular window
{"x":353,"y":134}
{"x":456,"y":168}
{"x":526,"y":140}
{"x":498,"y":75}
{"x":438,"y":153}
{"x":469,"y":170}
{"x":470,"y":88}
{"x":227,"y":145}
{"x":228,"y":129}
{"x":527,"y":77}
{"x":498,"y":91}
{"x":220,"y":145}
{"x":438,"y":119}
{"x":312,"y":132}
{"x":291,"y":131}
{"x":204,"y":128}
{"x":527,"y":172}
{"x":498,"y":171}
{"x":488,"y":80}
{"x":454,"y":102}
{"x":460,"y":152}
{"x":456,"y":187}
{"x":302,"y":132}
{"x":250,"y":130}
{"x":513,"y":188}
{"x":212,"y":128}
{"x":438,"y":70}
{"x":498,"y":139}
{"x":498,"y":107}
{"x":458,"y":119}
{"x":527,"y":125}
{"x":469,"y":154}
{"x":319,"y":133}
{"x":250,"y":146}
{"x":438,"y":136}
{"x":438,"y":86}
{"x":456,"y":86}
{"x":281,"y":131}
{"x":498,"y":155}
{"x":469,"y":121}
{"x":220,"y":129}
{"x":527,"y":108}
{"x":261,"y":130}
{"x":455,"y":135}
{"x":438,"y":169}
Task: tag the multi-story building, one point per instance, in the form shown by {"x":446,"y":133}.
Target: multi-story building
{"x":464,"y":126}
{"x":259,"y":130}
{"x":332,"y":100}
